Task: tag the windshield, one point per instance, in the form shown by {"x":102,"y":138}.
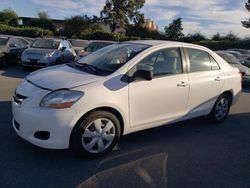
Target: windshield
{"x":3,"y":41}
{"x":112,"y":57}
{"x":229,"y":58}
{"x":96,"y":46}
{"x":46,"y":43}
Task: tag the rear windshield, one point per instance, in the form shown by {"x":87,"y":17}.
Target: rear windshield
{"x":94,"y":46}
{"x":79,"y":43}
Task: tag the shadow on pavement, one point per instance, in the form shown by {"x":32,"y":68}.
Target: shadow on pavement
{"x":194,"y":153}
{"x":14,"y":71}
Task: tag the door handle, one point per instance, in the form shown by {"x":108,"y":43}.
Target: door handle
{"x":217,"y":79}
{"x":182,"y":84}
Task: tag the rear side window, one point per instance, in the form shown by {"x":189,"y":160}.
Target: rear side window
{"x":214,"y":64}
{"x":201,"y":61}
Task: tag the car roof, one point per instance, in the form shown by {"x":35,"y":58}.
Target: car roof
{"x":231,"y":51}
{"x":103,"y":41}
{"x":50,"y":38}
{"x":161,"y":42}
{"x":11,"y":36}
{"x":223,"y":52}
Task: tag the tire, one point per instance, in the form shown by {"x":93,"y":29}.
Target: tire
{"x":58,"y":62}
{"x":3,"y":61}
{"x":96,"y":135}
{"x":221,"y":109}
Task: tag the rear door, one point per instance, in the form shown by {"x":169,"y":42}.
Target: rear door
{"x":164,"y":98}
{"x":206,"y":81}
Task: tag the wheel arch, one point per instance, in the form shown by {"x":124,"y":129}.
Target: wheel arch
{"x":104,"y":108}
{"x":230,"y":94}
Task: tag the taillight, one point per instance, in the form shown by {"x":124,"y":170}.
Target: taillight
{"x":241,"y":76}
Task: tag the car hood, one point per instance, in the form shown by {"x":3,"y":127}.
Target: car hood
{"x":61,"y":76}
{"x":39,"y":51}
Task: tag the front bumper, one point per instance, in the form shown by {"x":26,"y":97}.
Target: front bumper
{"x":31,"y":64}
{"x":33,"y":119}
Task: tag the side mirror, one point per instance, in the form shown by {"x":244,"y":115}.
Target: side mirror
{"x":63,"y":48}
{"x":146,"y":73}
{"x":12,"y":45}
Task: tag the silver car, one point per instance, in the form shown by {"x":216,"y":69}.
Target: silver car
{"x":47,"y":52}
{"x":233,"y":61}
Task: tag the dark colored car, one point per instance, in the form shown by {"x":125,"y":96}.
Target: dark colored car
{"x":11,"y":48}
{"x":47,"y":52}
{"x":94,"y":46}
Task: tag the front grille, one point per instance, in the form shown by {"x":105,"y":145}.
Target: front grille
{"x":34,"y":61}
{"x":18,"y":98}
{"x":37,"y":64}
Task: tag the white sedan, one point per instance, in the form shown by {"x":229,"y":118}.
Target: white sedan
{"x":123,"y":88}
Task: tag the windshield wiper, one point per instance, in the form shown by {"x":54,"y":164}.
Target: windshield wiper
{"x":88,"y":67}
{"x":92,"y":68}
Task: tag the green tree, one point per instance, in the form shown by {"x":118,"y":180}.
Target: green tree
{"x":174,"y":31}
{"x":43,"y":21}
{"x":9,"y":17}
{"x":143,"y":32}
{"x":75,"y":25}
{"x":246,"y":24}
{"x":217,"y":37}
{"x":194,"y":37}
{"x":43,"y":15}
{"x":231,"y":37}
{"x":122,"y":13}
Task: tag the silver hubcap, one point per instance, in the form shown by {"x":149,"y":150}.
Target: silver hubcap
{"x":98,"y":135}
{"x":221,"y":109}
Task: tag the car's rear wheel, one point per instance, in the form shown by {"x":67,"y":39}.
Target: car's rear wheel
{"x":96,"y":134}
{"x":221,"y":109}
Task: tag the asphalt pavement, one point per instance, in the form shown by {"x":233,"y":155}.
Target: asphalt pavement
{"x":194,"y":153}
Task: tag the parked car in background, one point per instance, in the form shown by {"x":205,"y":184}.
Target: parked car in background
{"x":89,"y":104}
{"x":238,"y":55}
{"x":47,"y":52}
{"x":78,"y":44}
{"x":30,"y":40}
{"x":244,"y":52}
{"x":11,"y":48}
{"x":233,"y":61}
{"x":94,"y":46}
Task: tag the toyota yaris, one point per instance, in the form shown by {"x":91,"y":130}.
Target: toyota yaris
{"x":123,"y":88}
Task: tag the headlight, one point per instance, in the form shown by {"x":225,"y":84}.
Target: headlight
{"x":50,"y":54}
{"x":61,"y":99}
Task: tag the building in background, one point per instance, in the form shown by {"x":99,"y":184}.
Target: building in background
{"x":149,"y":24}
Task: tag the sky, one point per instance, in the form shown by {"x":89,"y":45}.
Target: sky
{"x":205,"y":16}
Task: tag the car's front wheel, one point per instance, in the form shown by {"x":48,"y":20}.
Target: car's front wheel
{"x":221,"y":109}
{"x":96,"y":134}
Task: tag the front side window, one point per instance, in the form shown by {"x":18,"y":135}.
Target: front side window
{"x":201,"y":61}
{"x":164,"y":62}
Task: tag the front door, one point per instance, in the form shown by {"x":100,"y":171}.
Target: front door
{"x":163,"y":99}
